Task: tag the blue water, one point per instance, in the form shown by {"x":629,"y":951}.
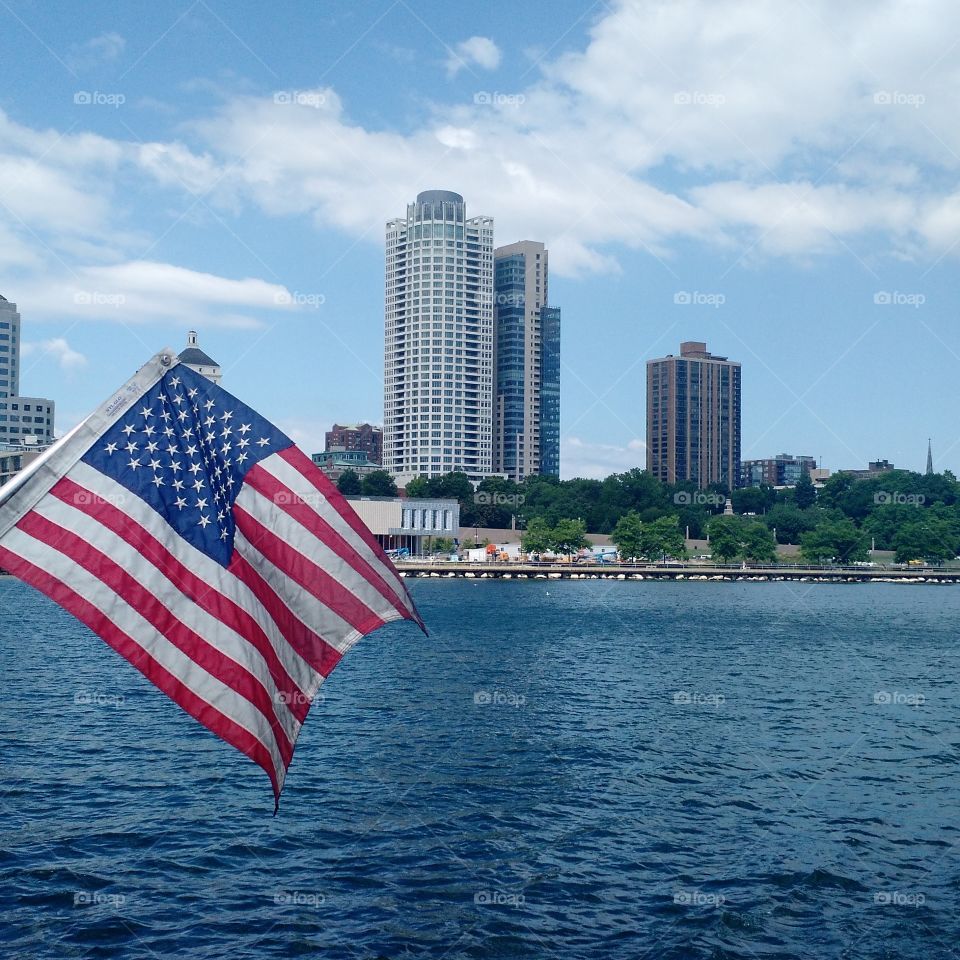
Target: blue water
{"x":586,"y":769}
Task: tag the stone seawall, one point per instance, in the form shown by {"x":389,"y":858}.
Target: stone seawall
{"x":583,"y":571}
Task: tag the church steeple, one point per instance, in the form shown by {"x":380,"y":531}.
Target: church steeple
{"x":929,"y":457}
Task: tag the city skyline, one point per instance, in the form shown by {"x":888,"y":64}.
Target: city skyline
{"x":198,"y":169}
{"x":746,"y":472}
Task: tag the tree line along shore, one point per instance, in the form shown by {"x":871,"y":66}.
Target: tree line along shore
{"x":915,"y":516}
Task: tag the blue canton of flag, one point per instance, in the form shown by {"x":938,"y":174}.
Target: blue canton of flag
{"x":185,"y":448}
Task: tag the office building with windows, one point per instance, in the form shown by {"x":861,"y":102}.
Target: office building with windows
{"x":399,"y":523}
{"x":693,"y":417}
{"x":783,"y":470}
{"x":351,"y":437}
{"x":526,"y":364}
{"x":9,"y":349}
{"x":335,"y":463}
{"x":550,"y":391}
{"x":438,"y":340}
{"x":23,"y":420}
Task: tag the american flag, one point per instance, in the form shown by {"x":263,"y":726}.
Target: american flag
{"x":193,"y":537}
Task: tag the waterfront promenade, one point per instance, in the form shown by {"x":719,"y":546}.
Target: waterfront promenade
{"x":531,"y":570}
{"x":527,"y":570}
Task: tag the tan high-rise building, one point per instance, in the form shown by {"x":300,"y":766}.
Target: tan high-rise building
{"x":693,"y":417}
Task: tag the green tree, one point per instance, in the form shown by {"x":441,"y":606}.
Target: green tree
{"x":442,"y":545}
{"x":568,"y":536}
{"x":627,"y":535}
{"x":925,"y":539}
{"x":348,"y":483}
{"x":805,"y":493}
{"x":757,"y":543}
{"x":418,"y":487}
{"x":753,"y":499}
{"x":537,"y":538}
{"x":725,"y":538}
{"x":378,"y":483}
{"x":790,"y":522}
{"x":938,"y":488}
{"x":733,"y":537}
{"x":836,"y":488}
{"x":838,"y":540}
{"x":453,"y":486}
{"x":887,"y":521}
{"x":495,"y":503}
{"x":662,"y":538}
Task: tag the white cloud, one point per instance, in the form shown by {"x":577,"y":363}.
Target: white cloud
{"x":802,"y":218}
{"x":691,"y":120}
{"x":58,"y":350}
{"x":728,"y":132}
{"x":38,"y":196}
{"x":163,"y":281}
{"x":50,"y":181}
{"x":292,"y":160}
{"x":143,"y":291}
{"x":457,"y":138}
{"x":476,"y":52}
{"x":105,"y":48}
{"x":580,"y":458}
{"x":172,"y":164}
{"x":940,"y":222}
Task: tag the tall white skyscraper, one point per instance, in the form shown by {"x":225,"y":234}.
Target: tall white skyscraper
{"x":23,"y":420}
{"x":9,"y":349}
{"x":438,"y":349}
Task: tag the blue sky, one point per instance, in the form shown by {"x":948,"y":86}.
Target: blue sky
{"x":778,"y":180}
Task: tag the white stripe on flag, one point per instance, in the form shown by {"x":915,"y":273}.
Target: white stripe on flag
{"x":306,"y":607}
{"x":296,"y":483}
{"x":208,"y":570}
{"x":231,"y":645}
{"x":212,"y":691}
{"x":304,"y":542}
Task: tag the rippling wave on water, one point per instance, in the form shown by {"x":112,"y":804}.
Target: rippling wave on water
{"x":589,"y":769}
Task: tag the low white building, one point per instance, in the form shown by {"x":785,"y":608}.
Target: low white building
{"x":401,"y":523}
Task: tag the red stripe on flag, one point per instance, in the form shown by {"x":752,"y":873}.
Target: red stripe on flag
{"x":199,"y":591}
{"x":217,"y":664}
{"x":288,"y":501}
{"x":309,"y":575}
{"x":216,"y":722}
{"x":322,"y":483}
{"x":322,"y":656}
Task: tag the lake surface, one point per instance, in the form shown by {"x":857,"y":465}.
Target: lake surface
{"x":588,"y":769}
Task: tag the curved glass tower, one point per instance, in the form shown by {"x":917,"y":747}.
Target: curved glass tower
{"x":526,"y":416}
{"x":438,"y":345}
